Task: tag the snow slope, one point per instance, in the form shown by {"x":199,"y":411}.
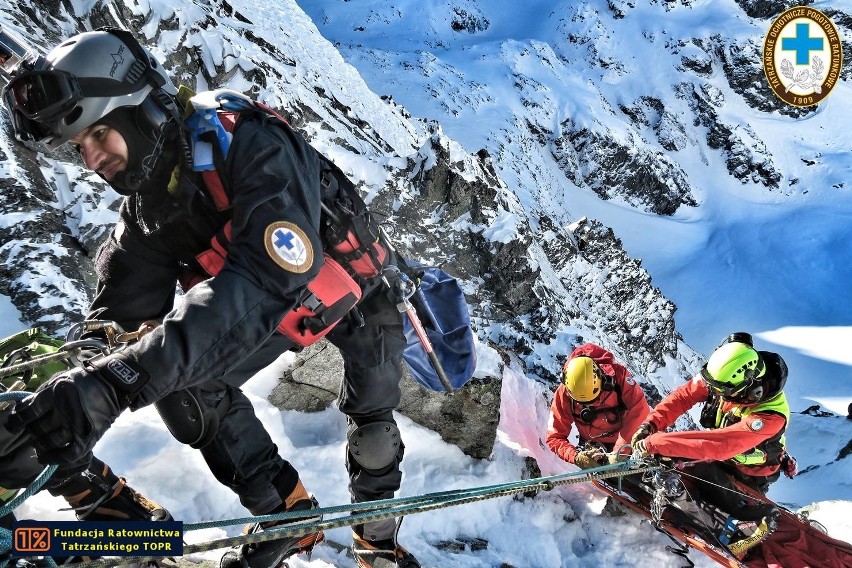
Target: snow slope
{"x":563,"y":527}
{"x":775,"y":263}
{"x":748,"y":258}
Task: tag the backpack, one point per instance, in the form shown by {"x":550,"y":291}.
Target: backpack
{"x":441,"y":307}
{"x":355,"y":251}
{"x":349,"y":232}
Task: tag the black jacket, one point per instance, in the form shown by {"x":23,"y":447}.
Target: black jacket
{"x":273,"y":176}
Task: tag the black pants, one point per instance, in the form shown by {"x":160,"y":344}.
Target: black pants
{"x":242,"y":455}
{"x":18,"y":465}
{"x":710,"y":483}
{"x":759,"y":483}
{"x":19,"y":469}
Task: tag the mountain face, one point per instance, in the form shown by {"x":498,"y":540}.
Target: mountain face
{"x":498,"y":215}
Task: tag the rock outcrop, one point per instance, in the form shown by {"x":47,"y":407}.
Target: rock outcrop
{"x":527,"y":275}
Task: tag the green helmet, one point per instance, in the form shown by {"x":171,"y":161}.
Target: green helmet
{"x":733,"y":369}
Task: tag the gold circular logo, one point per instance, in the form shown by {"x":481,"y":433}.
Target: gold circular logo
{"x":802,"y":56}
{"x":289,"y":247}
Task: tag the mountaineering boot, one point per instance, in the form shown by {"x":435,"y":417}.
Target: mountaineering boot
{"x":381,"y":553}
{"x":741,"y":536}
{"x":97,"y":494}
{"x":271,"y":553}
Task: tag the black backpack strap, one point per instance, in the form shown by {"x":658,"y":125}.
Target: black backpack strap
{"x":617,"y":388}
{"x":325,"y":315}
{"x":710,"y":410}
{"x":350,"y":232}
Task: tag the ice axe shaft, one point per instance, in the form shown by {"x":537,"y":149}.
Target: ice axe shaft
{"x":417,"y":325}
{"x":406,"y":307}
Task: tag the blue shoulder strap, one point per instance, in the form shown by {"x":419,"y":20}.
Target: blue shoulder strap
{"x":206,"y":119}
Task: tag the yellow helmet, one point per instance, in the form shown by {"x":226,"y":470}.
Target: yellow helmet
{"x":582,"y":379}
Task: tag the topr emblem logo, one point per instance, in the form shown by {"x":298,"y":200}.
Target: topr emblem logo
{"x":289,"y":247}
{"x":756,"y":424}
{"x":802,"y":56}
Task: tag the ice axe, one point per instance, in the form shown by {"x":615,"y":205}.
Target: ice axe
{"x":404,"y":291}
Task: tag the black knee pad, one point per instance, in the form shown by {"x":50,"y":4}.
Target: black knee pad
{"x":190,"y":417}
{"x":375,"y":446}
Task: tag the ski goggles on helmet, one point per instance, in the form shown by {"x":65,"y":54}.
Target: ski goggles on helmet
{"x":43,"y":95}
{"x":38,"y":99}
{"x":727,"y":390}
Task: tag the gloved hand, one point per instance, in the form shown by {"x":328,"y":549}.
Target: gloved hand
{"x":640,"y":450}
{"x":67,"y":415}
{"x":645,"y":430}
{"x":588,"y":459}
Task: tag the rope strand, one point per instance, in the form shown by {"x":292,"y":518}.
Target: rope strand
{"x":36,"y":361}
{"x":357,"y":513}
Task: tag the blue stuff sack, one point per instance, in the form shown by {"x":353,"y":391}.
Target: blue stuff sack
{"x":441,"y":307}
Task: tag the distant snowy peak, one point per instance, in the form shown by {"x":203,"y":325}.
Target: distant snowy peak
{"x":641,"y":102}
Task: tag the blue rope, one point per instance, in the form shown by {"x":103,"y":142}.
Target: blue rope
{"x":35,"y":487}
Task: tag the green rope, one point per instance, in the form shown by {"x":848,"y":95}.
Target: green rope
{"x":35,"y":487}
{"x":380,"y":510}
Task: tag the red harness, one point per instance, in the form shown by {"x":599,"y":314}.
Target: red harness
{"x":326,"y":299}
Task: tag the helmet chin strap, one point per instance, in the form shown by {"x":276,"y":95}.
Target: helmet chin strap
{"x":132,"y":181}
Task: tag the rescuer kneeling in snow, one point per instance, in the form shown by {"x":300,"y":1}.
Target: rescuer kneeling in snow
{"x":745,"y":414}
{"x":600,"y":397}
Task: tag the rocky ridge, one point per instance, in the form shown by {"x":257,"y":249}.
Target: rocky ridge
{"x":528,"y":275}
